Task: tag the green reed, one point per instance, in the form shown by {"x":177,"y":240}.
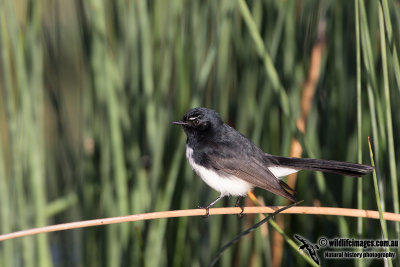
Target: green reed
{"x":89,"y":90}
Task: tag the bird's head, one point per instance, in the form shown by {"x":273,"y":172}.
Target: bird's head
{"x":200,"y":121}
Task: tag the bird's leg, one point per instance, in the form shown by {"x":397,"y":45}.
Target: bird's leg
{"x":237,"y":204}
{"x":209,"y":205}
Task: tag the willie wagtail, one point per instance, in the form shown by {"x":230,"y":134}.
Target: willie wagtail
{"x":232,"y":165}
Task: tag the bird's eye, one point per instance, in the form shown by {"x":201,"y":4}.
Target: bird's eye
{"x":196,"y":122}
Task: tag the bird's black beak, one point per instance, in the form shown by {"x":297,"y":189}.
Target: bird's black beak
{"x":180,"y":123}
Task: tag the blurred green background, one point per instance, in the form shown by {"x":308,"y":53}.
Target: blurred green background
{"x":89,"y":90}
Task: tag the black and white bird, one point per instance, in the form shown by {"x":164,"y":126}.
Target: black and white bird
{"x":232,"y":165}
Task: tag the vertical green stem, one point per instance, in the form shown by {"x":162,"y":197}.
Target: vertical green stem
{"x":389,"y":125}
{"x":359,"y":127}
{"x":378,"y":203}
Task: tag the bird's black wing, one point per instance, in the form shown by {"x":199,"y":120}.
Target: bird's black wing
{"x":247,"y":163}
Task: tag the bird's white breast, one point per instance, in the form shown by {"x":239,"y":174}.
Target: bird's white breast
{"x":225,"y":184}
{"x":229,"y":184}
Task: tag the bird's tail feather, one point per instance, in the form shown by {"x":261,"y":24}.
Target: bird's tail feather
{"x":332,"y":166}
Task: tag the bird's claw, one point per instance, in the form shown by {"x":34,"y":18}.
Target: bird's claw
{"x":207,"y":211}
{"x":241,"y":213}
{"x":237,"y":204}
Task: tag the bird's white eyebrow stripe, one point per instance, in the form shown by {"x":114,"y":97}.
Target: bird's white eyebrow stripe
{"x":193,"y":118}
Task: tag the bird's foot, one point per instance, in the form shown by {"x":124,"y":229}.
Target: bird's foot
{"x":207,"y":211}
{"x":237,"y":204}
